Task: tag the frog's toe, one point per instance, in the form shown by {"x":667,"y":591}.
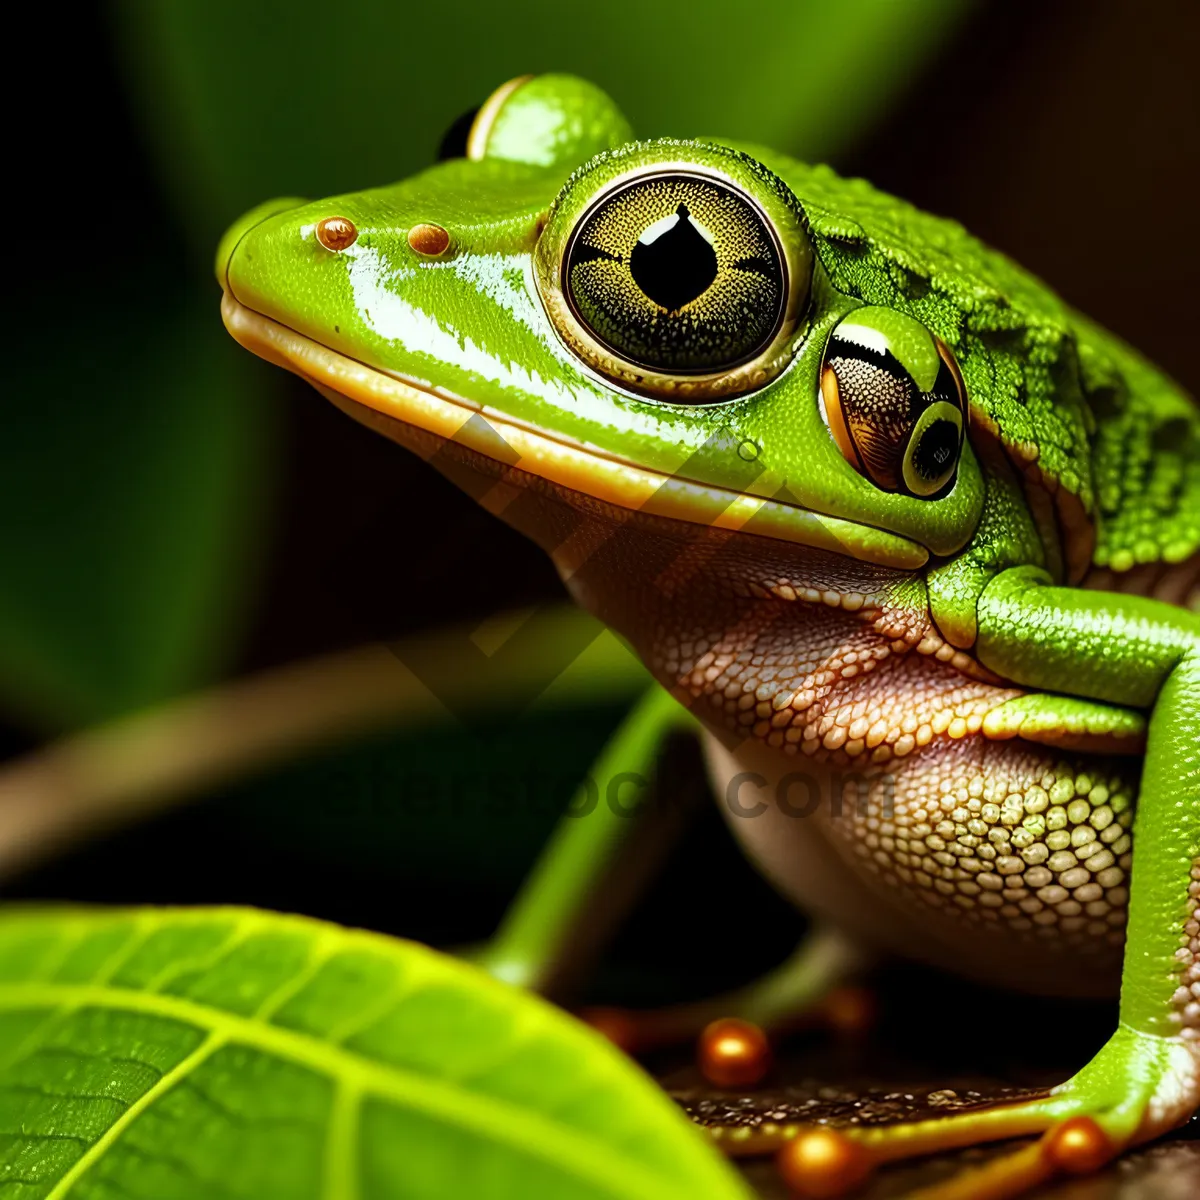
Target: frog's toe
{"x":731,"y":1051}
{"x":1136,"y":1089}
{"x":731,"y":1033}
{"x":807,"y":991}
{"x":826,"y":1163}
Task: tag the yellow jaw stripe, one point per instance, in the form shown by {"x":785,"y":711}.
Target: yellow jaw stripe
{"x":568,"y":464}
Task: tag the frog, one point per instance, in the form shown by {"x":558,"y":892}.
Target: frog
{"x":909,"y":544}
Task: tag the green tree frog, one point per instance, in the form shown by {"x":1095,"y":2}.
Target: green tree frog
{"x":875,"y":508}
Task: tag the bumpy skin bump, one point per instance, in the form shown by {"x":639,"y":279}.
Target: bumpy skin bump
{"x":1186,"y":1001}
{"x":1147,"y":458}
{"x":857,"y":687}
{"x":1007,"y":837}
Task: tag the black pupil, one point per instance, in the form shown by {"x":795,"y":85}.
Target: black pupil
{"x":936,"y":449}
{"x":678,"y":266}
{"x":454,"y":140}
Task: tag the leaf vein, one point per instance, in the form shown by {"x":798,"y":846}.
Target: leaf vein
{"x":201,"y":962}
{"x":26,"y":1135}
{"x":138,"y":937}
{"x":167,"y":1081}
{"x":34,"y":1039}
{"x":341,"y":1145}
{"x":48,"y":1093}
{"x":319,"y":955}
{"x":235,"y":1118}
{"x":185,"y":1169}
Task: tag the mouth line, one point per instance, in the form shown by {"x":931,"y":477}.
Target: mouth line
{"x":567,"y":464}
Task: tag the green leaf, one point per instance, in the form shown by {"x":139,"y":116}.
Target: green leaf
{"x":201,"y":1054}
{"x":130,"y":497}
{"x":293,"y":97}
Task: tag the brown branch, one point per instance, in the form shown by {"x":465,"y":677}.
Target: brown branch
{"x":120,"y":772}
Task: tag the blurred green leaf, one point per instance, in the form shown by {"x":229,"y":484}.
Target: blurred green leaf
{"x":233,"y":1052}
{"x":297,"y":97}
{"x":131,"y":467}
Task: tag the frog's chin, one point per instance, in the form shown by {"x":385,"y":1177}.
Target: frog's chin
{"x":426,"y":420}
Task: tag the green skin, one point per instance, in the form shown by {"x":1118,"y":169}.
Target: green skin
{"x":1104,"y":447}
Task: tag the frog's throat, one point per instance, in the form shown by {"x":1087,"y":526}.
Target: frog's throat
{"x":567,"y":464}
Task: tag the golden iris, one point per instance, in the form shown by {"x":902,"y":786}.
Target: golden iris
{"x":678,"y":273}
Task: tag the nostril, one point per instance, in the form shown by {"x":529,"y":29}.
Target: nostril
{"x":336,"y":233}
{"x":428,"y":240}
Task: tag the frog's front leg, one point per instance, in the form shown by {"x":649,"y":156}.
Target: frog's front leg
{"x":1140,"y":653}
{"x":568,"y":900}
{"x":1145,"y":1081}
{"x":543,"y":927}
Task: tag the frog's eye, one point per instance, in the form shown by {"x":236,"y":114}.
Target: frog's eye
{"x":456,"y":139}
{"x":894,"y":400}
{"x":679,"y":283}
{"x":543,"y":120}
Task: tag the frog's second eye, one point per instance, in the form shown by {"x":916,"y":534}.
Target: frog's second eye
{"x":456,"y":139}
{"x":677,"y":283}
{"x":894,"y":401}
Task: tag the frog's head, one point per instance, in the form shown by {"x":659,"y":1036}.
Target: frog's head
{"x":617,"y":327}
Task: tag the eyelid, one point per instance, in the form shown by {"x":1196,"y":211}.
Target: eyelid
{"x":948,"y":357}
{"x":835,"y":418}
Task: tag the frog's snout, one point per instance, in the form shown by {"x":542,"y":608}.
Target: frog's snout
{"x":242,"y":226}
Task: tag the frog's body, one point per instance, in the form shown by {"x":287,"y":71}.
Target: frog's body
{"x":952,"y":678}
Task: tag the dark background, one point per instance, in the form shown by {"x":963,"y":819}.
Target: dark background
{"x":1063,"y":133}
